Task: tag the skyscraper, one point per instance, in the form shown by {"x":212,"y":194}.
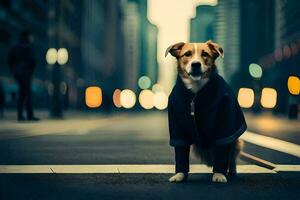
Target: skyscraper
{"x":227,"y":29}
{"x":203,"y":24}
{"x":140,"y":44}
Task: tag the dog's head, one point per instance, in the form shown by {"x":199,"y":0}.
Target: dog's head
{"x":195,"y":60}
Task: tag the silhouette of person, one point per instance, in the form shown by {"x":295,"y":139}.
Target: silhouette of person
{"x":22,"y":64}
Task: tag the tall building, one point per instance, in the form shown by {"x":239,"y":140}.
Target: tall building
{"x":64,"y":31}
{"x":263,"y":32}
{"x":148,"y":31}
{"x":102,"y":41}
{"x":271,"y":32}
{"x":284,"y":60}
{"x":103,"y":46}
{"x":227,"y":29}
{"x":140,"y":44}
{"x":203,"y":24}
{"x":257,"y":34}
{"x":220,"y":23}
{"x":151,"y":61}
{"x":132,"y":45}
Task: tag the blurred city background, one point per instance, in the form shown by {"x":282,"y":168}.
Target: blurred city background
{"x":119,"y":45}
{"x":95,"y":74}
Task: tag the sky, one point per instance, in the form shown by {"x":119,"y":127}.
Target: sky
{"x":173,"y":20}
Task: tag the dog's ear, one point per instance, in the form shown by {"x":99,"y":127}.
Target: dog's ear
{"x":174,"y":49}
{"x":215,"y":48}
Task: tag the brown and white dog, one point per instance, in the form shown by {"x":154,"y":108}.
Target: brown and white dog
{"x":195,"y":61}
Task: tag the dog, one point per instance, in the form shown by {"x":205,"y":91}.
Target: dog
{"x":199,"y":101}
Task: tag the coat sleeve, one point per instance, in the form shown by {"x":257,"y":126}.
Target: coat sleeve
{"x":230,"y":122}
{"x":177,"y":136}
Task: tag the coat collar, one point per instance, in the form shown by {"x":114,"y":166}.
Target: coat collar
{"x":186,"y":91}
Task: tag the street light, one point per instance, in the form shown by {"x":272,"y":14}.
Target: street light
{"x":62,"y":56}
{"x":51,"y":56}
{"x":57,"y":57}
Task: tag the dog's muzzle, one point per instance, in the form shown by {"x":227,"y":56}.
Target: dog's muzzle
{"x":195,"y":70}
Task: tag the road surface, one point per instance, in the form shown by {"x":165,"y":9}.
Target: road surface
{"x":127,"y":156}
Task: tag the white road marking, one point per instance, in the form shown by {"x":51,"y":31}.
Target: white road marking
{"x":113,"y":169}
{"x":287,"y":168}
{"x":272,"y":143}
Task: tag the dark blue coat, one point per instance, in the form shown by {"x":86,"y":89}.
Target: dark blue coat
{"x":217,"y":120}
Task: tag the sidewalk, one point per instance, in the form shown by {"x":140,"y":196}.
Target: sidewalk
{"x":79,"y":122}
{"x":274,"y":126}
{"x":44,"y":114}
{"x":264,"y":123}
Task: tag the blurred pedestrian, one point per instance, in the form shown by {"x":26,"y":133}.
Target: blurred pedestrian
{"x":22,"y":64}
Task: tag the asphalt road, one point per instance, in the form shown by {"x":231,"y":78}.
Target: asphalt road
{"x":147,"y":186}
{"x":127,"y":139}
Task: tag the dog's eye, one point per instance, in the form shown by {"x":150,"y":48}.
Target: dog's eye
{"x":188,"y":54}
{"x":204,"y":54}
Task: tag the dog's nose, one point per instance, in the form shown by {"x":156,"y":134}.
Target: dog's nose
{"x":196,"y":66}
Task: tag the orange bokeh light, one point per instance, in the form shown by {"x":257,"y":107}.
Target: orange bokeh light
{"x":93,"y":97}
{"x":294,"y":85}
{"x":116,"y":98}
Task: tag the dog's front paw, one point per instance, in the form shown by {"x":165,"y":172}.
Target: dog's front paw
{"x":179,"y":177}
{"x":220,"y":178}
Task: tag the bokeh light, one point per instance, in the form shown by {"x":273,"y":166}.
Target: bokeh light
{"x":157,"y":88}
{"x":116,"y":98}
{"x":160,"y":100}
{"x":63,"y":87}
{"x":51,"y":56}
{"x":146,"y":99}
{"x":127,"y":98}
{"x":62,"y":56}
{"x":144,"y":82}
{"x":246,"y":97}
{"x":268,"y":98}
{"x":255,"y":70}
{"x":294,"y":85}
{"x":93,"y":96}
